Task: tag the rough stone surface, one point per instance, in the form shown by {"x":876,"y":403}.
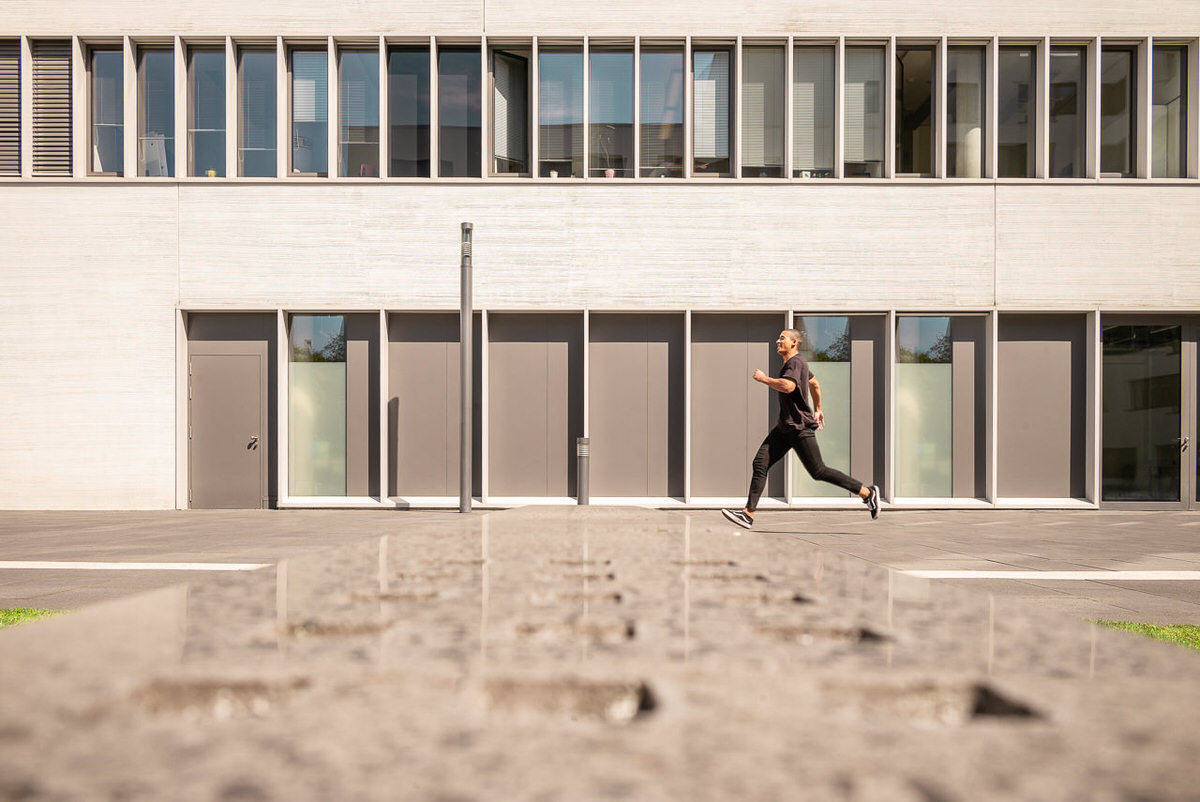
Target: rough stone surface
{"x":588,"y":653}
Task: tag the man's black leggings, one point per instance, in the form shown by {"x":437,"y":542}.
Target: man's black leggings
{"x":776,"y":446}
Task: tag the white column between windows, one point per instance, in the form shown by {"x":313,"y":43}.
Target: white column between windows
{"x":80,"y":137}
{"x":637,"y":107}
{"x":587,"y":112}
{"x":789,"y":464}
{"x":1093,"y":415}
{"x":182,"y":147}
{"x":687,"y":108}
{"x":789,"y":110}
{"x":687,"y":406}
{"x":333,"y":123}
{"x":182,"y":441}
{"x":1092,"y":89}
{"x":283,"y":104}
{"x":433,"y":108}
{"x":839,"y":112}
{"x":992,"y":391}
{"x":283,"y":355}
{"x":534,"y":78}
{"x":485,"y":104}
{"x":1041,"y":168}
{"x":384,"y":393}
{"x":232,"y":127}
{"x":1145,"y":113}
{"x":1193,"y":101}
{"x":889,"y":434}
{"x":889,"y":101}
{"x":385,"y":131}
{"x":940,"y":117}
{"x":735,"y":97}
{"x":484,"y":393}
{"x":991,"y":164}
{"x":129,"y":90}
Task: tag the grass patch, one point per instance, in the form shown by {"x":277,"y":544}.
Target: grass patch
{"x":21,"y":615}
{"x":1182,"y":634}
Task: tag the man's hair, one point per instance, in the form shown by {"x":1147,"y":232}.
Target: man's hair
{"x":793,"y":333}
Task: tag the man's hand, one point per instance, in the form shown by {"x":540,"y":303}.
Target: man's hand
{"x":820,"y":416}
{"x":761,"y":377}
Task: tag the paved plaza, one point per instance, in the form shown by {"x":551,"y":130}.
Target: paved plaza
{"x":598,"y":653}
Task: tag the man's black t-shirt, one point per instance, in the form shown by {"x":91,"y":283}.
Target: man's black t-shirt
{"x":795,"y":414}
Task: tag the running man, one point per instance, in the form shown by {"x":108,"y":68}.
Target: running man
{"x":796,"y":429}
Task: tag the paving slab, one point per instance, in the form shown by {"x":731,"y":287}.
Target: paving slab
{"x":588,"y":653}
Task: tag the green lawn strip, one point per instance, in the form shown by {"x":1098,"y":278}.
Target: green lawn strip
{"x":1182,"y":634}
{"x":21,"y":615}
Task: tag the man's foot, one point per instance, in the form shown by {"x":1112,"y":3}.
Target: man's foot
{"x":739,"y":517}
{"x":872,"y":501}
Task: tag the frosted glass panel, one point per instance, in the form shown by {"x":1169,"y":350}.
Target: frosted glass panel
{"x":924,"y":409}
{"x":317,"y":406}
{"x":825,"y":343}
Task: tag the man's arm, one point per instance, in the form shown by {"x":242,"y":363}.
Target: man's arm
{"x":784,"y":386}
{"x":814,"y":389}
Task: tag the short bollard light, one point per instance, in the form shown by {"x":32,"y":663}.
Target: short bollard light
{"x":582,"y":450}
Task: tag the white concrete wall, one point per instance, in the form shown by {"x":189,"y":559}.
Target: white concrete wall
{"x":614,"y":17}
{"x":93,"y":272}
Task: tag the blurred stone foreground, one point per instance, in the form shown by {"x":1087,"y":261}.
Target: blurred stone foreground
{"x":588,"y":653}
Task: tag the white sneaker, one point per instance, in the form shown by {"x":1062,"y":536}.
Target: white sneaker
{"x":739,"y":517}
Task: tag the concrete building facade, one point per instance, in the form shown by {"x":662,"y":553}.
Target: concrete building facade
{"x":230,"y":241}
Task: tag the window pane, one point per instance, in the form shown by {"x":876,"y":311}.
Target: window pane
{"x":964,"y":112}
{"x":317,"y":406}
{"x":10,"y":107}
{"x":310,"y":112}
{"x":924,"y":412}
{"x":914,"y":110}
{"x":864,"y":146}
{"x":610,"y":113}
{"x":812,"y":112}
{"x":1142,"y":375}
{"x":662,"y":113}
{"x":257,"y":152}
{"x":762,"y":111}
{"x":1016,"y":115}
{"x":156,"y":113}
{"x":1169,"y":112}
{"x":459,"y":119}
{"x":825,"y":343}
{"x":206,"y":113}
{"x":1117,"y":82}
{"x":560,"y":113}
{"x":510,"y":112}
{"x":408,"y":111}
{"x":711,"y":112}
{"x":108,"y":112}
{"x":358,"y":112}
{"x":1068,"y":117}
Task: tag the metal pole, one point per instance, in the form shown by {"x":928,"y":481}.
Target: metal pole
{"x":583,"y":470}
{"x":466,"y":373}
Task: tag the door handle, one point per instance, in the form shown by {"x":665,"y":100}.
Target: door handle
{"x":1183,"y":443}
{"x":253,"y":442}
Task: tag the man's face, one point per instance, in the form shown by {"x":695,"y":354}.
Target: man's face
{"x":785,"y":343}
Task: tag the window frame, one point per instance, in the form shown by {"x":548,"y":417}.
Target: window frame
{"x":93,"y":49}
{"x":189,"y":95}
{"x":517,"y":50}
{"x":241,"y":49}
{"x":291,"y":49}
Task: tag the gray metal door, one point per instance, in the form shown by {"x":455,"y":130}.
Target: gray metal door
{"x":227,"y":416}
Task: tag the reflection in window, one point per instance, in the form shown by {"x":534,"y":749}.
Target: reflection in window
{"x":964,"y":112}
{"x":257,"y":151}
{"x":358,"y":113}
{"x":662,"y":113}
{"x":310,"y":112}
{"x":1015,"y":127}
{"x":1142,"y":403}
{"x":1068,"y":118}
{"x":610,"y":113}
{"x":763,"y":82}
{"x":1169,"y":112}
{"x":206,"y":113}
{"x":510,"y":112}
{"x":864,"y":147}
{"x":914,"y":110}
{"x":459,"y":120}
{"x":1117,"y":81}
{"x":108,"y":112}
{"x":825,"y":343}
{"x":317,"y":406}
{"x":156,"y":112}
{"x":408,"y":111}
{"x":812,"y":112}
{"x":924,"y":419}
{"x":560,"y":113}
{"x":711,"y":113}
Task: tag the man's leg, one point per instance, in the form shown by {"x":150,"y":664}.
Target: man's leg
{"x":771,"y":451}
{"x":810,"y":456}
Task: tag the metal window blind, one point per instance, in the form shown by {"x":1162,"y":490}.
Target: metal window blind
{"x":10,"y":108}
{"x":257,"y":100}
{"x":310,"y":86}
{"x":661,"y":108}
{"x":710,"y":99}
{"x":511,"y":107}
{"x":762,"y":106}
{"x":51,"y":107}
{"x":863,"y":112}
{"x":358,"y":106}
{"x":560,"y":107}
{"x":812,"y":108}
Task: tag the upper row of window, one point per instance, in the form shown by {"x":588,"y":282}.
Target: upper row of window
{"x":551,"y":95}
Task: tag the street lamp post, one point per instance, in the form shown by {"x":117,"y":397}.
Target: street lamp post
{"x":464,"y":346}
